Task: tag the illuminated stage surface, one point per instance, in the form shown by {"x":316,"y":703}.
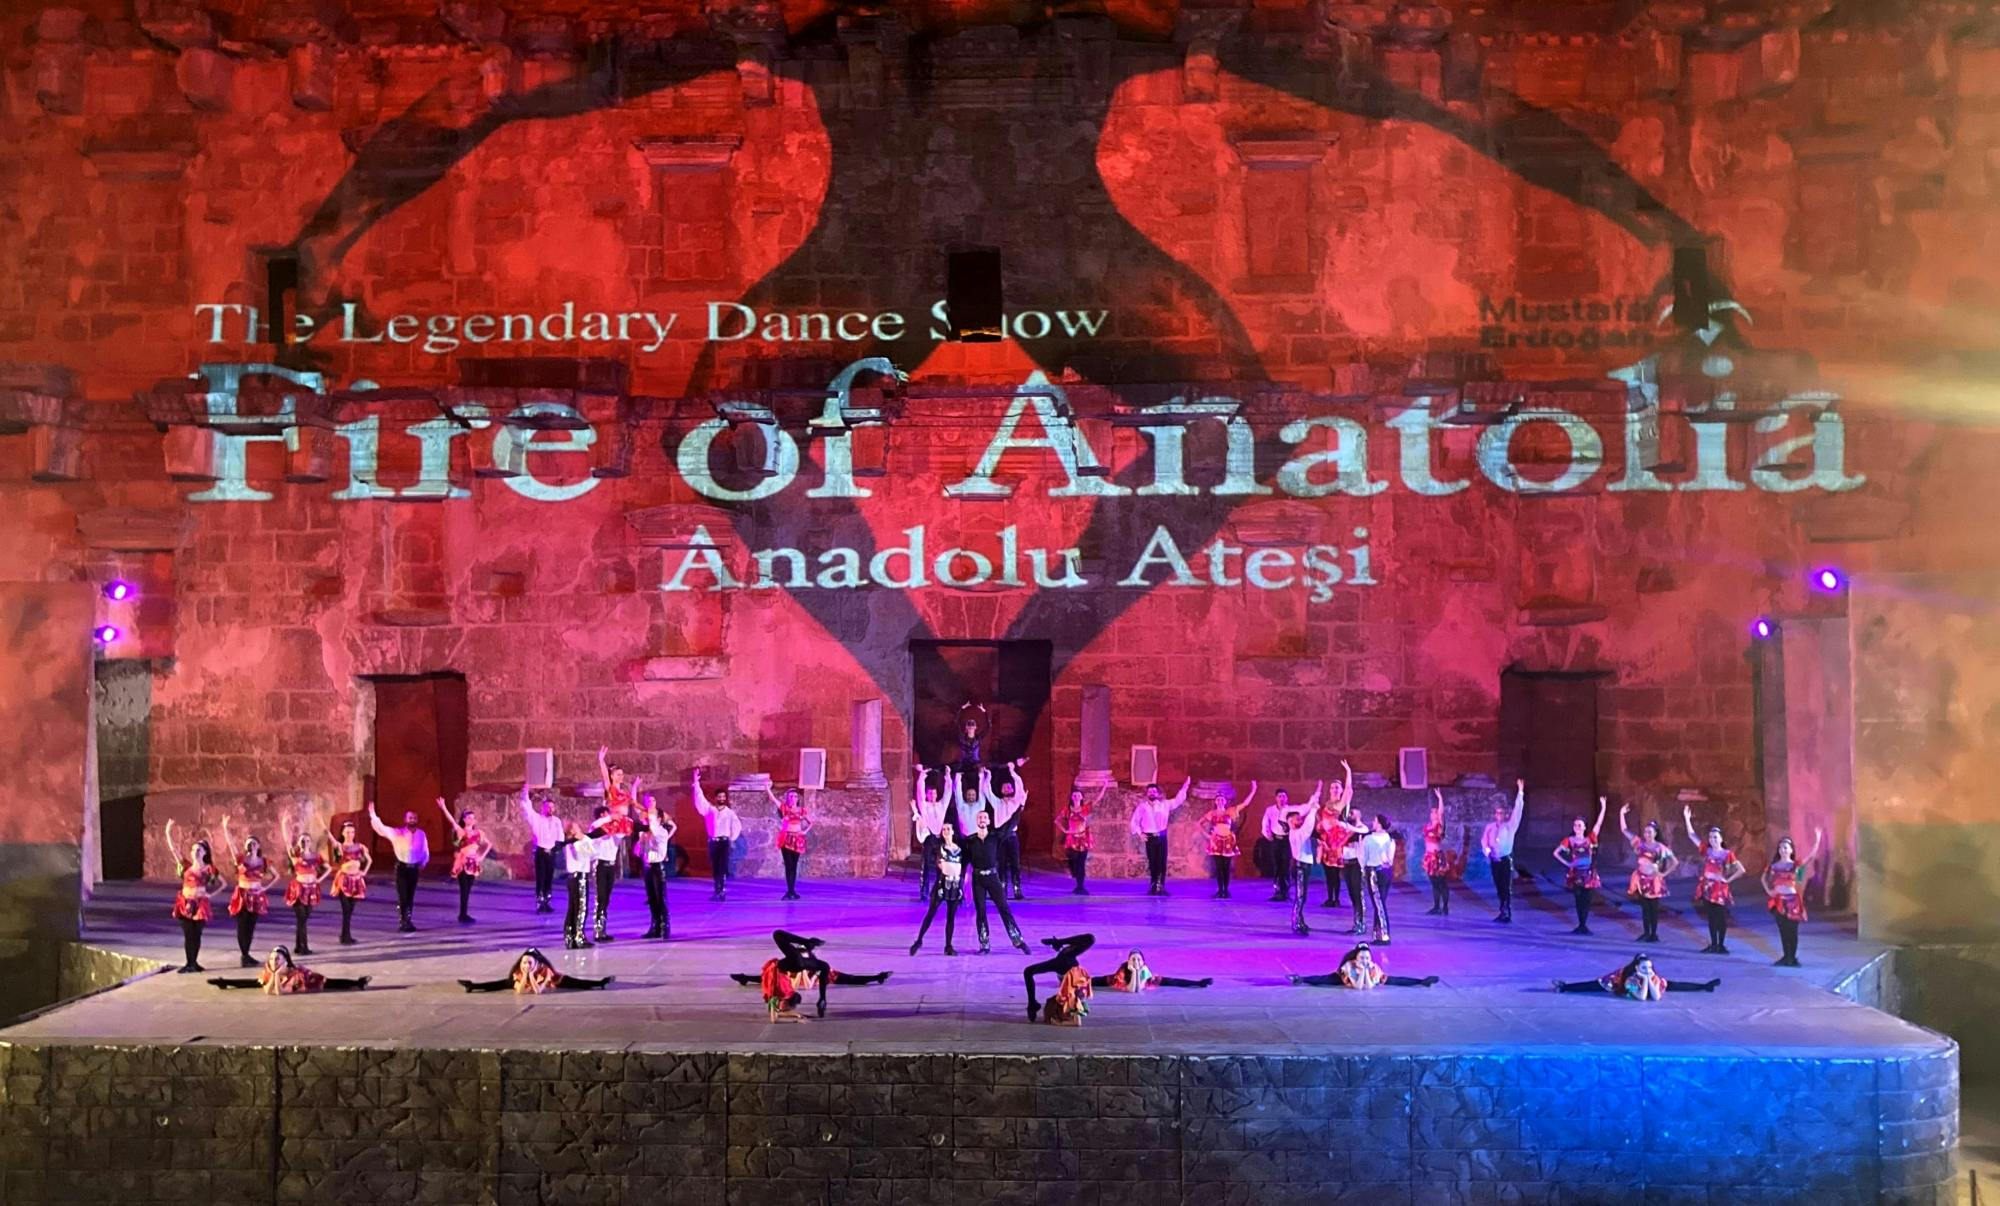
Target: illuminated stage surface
{"x":1488,"y":1086}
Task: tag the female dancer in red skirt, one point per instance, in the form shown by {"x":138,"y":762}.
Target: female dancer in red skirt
{"x":251,"y":899}
{"x":1068,"y":1006}
{"x":1134,"y":975}
{"x":1785,"y":892}
{"x":1358,"y":969}
{"x":1219,"y":823}
{"x":1074,"y":822}
{"x":1337,"y":836}
{"x":469,"y":857}
{"x":1578,"y":855}
{"x":1635,"y":981}
{"x":794,"y":822}
{"x":350,"y":877}
{"x":309,"y":869}
{"x":1441,"y":866}
{"x":1719,"y":869}
{"x":199,"y":885}
{"x":281,"y":977}
{"x":1656,"y":860}
{"x":533,"y":974}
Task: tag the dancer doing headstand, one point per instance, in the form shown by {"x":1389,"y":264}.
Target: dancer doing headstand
{"x":724,"y":827}
{"x":309,"y":869}
{"x":947,"y":889}
{"x":799,"y":969}
{"x":533,"y":974}
{"x":1070,"y":1004}
{"x":1719,"y":869}
{"x":1134,"y":975}
{"x":1655,"y":860}
{"x":281,"y":977}
{"x":1074,"y":822}
{"x":1219,"y":824}
{"x":1578,"y":855}
{"x":1636,"y":981}
{"x":468,"y":858}
{"x":193,"y":903}
{"x":350,"y":880}
{"x":1496,"y":842}
{"x":1358,"y":969}
{"x":252,"y":897}
{"x":1785,"y":892}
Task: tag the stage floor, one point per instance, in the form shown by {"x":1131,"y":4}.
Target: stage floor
{"x":1494,"y":996}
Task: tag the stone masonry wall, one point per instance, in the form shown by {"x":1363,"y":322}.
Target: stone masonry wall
{"x":325,"y":1126}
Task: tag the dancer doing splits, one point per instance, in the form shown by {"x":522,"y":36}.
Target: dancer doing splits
{"x":655,"y":847}
{"x":927,"y":813}
{"x":1578,"y":855}
{"x":1441,"y":866}
{"x":794,"y":822}
{"x":412,"y":847}
{"x":1149,"y":821}
{"x":947,"y":888}
{"x":605,"y":855}
{"x":1378,"y":869}
{"x":1074,"y":822}
{"x":281,"y":977}
{"x":468,"y":858}
{"x":1134,"y":975}
{"x":1069,"y":1005}
{"x":1358,"y":969}
{"x":1655,"y":861}
{"x":1785,"y":892}
{"x":309,"y":868}
{"x":981,"y":856}
{"x":1006,"y":808}
{"x":200,"y":884}
{"x":350,"y":881}
{"x":1338,"y":828}
{"x":1219,"y":824}
{"x":1636,"y":980}
{"x":533,"y":974}
{"x":1496,"y":842}
{"x":724,"y":827}
{"x":252,"y":897}
{"x":545,"y":830}
{"x":1719,"y":869}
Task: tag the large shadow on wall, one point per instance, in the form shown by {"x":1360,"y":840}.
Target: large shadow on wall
{"x":930,"y":160}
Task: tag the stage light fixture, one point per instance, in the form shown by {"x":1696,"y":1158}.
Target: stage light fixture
{"x":1762,"y":628}
{"x":107,"y":633}
{"x":118,"y":590}
{"x":1828,"y":579}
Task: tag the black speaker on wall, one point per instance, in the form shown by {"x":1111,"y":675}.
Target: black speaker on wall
{"x":972,"y":296}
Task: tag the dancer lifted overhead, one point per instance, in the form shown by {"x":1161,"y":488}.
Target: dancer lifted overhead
{"x":724,"y":827}
{"x":1496,"y":842}
{"x":1578,"y":855}
{"x":533,"y":974}
{"x":606,"y":853}
{"x":1134,"y":975}
{"x":309,"y":870}
{"x":1149,"y":821}
{"x":252,"y":897}
{"x":981,"y":857}
{"x":470,"y":856}
{"x":1074,"y":822}
{"x":1785,"y":892}
{"x":1339,"y":829}
{"x":545,"y":831}
{"x":281,"y":977}
{"x":1655,"y":860}
{"x":1719,"y":869}
{"x":1070,"y":1004}
{"x":1635,"y":981}
{"x":200,"y":883}
{"x":1219,"y":825}
{"x":621,"y":795}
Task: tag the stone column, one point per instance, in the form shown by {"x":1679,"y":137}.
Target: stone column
{"x":1094,"y":766}
{"x":864,"y":735}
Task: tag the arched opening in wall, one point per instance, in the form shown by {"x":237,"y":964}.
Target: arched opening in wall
{"x":420,"y":746}
{"x":1011,"y":680}
{"x":123,"y":715}
{"x":1548,"y":736}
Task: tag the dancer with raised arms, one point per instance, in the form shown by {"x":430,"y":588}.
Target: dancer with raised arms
{"x":1784,"y":882}
{"x":928,"y":810}
{"x":724,"y":827}
{"x":1074,"y":824}
{"x":1496,"y":842}
{"x":545,"y":831}
{"x":194,"y":904}
{"x":1006,"y":807}
{"x":655,"y":848}
{"x":309,"y":869}
{"x":1441,"y":865}
{"x":1654,"y":860}
{"x":1219,"y":827}
{"x":350,"y":878}
{"x":1578,"y":855}
{"x":1301,"y":826}
{"x":469,"y":857}
{"x":252,"y":897}
{"x":794,"y":823}
{"x":1712,"y":895}
{"x":412,"y":848}
{"x":1338,"y":830}
{"x":1149,"y":823}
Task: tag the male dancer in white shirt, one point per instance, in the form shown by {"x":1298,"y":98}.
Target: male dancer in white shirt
{"x":1006,"y":809}
{"x":1276,"y":831}
{"x":1378,"y":857}
{"x":1149,"y":821}
{"x":654,"y":847}
{"x":608,"y":854}
{"x":413,"y":849}
{"x":724,"y":827}
{"x":545,"y":829}
{"x":1496,"y":841}
{"x":927,"y":811}
{"x":579,"y":856}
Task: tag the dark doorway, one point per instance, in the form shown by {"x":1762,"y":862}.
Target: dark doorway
{"x":123,"y":714}
{"x":1011,"y":678}
{"x":420,"y":752}
{"x":1548,"y":736}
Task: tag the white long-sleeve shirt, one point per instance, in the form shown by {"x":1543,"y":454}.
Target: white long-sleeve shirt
{"x":654,"y":841}
{"x":722,"y":823}
{"x":1150,"y":818}
{"x":1274,"y":821}
{"x":1497,"y":839}
{"x":411,"y":844}
{"x":546,"y":831}
{"x":1378,"y":850}
{"x":579,"y":856}
{"x":930,"y":816}
{"x":1302,"y":836}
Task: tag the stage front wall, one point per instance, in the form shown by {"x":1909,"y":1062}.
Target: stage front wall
{"x":1311,"y":416}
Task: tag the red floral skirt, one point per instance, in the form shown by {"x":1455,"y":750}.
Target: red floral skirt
{"x":1713,"y":891}
{"x":1792,"y":907}
{"x":302,"y":892}
{"x":351,"y":884}
{"x":244,"y":900}
{"x":193,"y":908}
{"x":1651,"y":887}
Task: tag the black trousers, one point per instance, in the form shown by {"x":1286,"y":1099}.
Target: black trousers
{"x":465,"y":883}
{"x":1332,"y":980}
{"x":578,"y":883}
{"x":246,"y":931}
{"x":191,"y":941}
{"x":1583,"y":899}
{"x":1377,"y":881}
{"x":791,"y":860}
{"x":1788,"y":934}
{"x":1350,"y":871}
{"x":607,"y":875}
{"x":1503,"y":882}
{"x":545,"y":875}
{"x":656,"y":898}
{"x":1718,"y":922}
{"x":1067,"y":950}
{"x":1301,"y":883}
{"x":1440,"y":893}
{"x":347,"y":919}
{"x":1649,"y":915}
{"x":406,"y":890}
{"x":718,"y":862}
{"x":1281,"y":867}
{"x":1079,"y":863}
{"x":949,"y":899}
{"x":927,"y":873}
{"x":300,"y":914}
{"x":1598,"y":986}
{"x":795,"y":954}
{"x":1156,"y":860}
{"x":1221,"y":865}
{"x":1009,"y":855}
{"x":1331,"y":872}
{"x":986,"y":886}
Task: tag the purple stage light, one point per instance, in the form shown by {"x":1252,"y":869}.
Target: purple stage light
{"x":1829,"y":579}
{"x":118,"y":590}
{"x":1762,"y":628}
{"x":107,"y":633}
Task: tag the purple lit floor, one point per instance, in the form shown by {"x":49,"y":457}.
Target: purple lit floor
{"x":1495,"y":991}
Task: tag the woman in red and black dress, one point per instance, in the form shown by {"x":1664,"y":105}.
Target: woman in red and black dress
{"x":199,"y":884}
{"x":309,"y":868}
{"x":1074,"y":822}
{"x":533,"y":974}
{"x":1719,"y":869}
{"x":1785,"y":892}
{"x":1578,"y":855}
{"x":793,"y":824}
{"x":1219,"y":823}
{"x":469,"y":857}
{"x":350,"y":877}
{"x":1655,"y":861}
{"x":283,"y":978}
{"x":1135,"y":976}
{"x":251,"y":899}
{"x":621,"y":797}
{"x":1336,"y":838}
{"x":1441,"y":866}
